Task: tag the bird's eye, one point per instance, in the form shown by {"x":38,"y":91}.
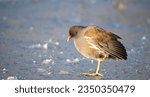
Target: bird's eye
{"x":70,"y":33}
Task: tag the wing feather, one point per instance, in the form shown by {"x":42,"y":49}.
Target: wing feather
{"x":106,"y":41}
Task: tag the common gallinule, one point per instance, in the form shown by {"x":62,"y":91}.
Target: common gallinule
{"x":98,"y":44}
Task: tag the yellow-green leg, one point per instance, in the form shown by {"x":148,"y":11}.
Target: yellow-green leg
{"x":98,"y":67}
{"x":97,"y":70}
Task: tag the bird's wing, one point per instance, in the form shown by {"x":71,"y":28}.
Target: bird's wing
{"x":106,"y":41}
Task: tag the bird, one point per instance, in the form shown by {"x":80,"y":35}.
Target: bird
{"x":98,"y":44}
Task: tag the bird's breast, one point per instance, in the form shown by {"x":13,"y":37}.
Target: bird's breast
{"x":83,"y":47}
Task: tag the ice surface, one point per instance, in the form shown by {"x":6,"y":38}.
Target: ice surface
{"x":63,"y":72}
{"x":44,"y":71}
{"x":73,"y":61}
{"x":36,"y":46}
{"x":68,"y":60}
{"x":92,"y":61}
{"x":33,"y":38}
{"x":34,"y":62}
{"x":144,"y":38}
{"x":93,"y":1}
{"x":4,"y":18}
{"x":61,"y":52}
{"x":51,"y":41}
{"x":57,"y":43}
{"x":12,"y":78}
{"x":43,"y":46}
{"x":47,"y":61}
{"x":31,"y":28}
{"x":148,"y":20}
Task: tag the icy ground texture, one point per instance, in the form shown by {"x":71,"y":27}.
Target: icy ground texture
{"x":33,"y":38}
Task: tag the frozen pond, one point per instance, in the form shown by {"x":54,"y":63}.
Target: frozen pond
{"x":33,"y":38}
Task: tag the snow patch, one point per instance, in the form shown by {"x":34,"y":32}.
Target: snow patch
{"x":31,"y":28}
{"x":53,"y":42}
{"x":74,"y":61}
{"x":44,"y":46}
{"x":47,"y":61}
{"x":44,"y":71}
{"x":63,"y":72}
{"x":57,"y":43}
{"x":61,"y":52}
{"x":92,"y":61}
{"x":12,"y":78}
{"x":144,"y":38}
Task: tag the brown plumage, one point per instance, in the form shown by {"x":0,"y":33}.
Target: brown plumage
{"x":96,"y":43}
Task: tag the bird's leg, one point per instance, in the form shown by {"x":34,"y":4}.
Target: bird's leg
{"x":97,"y":70}
{"x":98,"y":67}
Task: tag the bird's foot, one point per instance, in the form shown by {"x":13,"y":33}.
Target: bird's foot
{"x":92,"y":74}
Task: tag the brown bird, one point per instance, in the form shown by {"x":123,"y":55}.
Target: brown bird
{"x":98,"y":44}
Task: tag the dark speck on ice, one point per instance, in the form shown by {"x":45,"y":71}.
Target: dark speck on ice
{"x":33,"y":38}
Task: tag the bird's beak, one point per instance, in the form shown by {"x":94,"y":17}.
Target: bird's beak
{"x":69,"y":37}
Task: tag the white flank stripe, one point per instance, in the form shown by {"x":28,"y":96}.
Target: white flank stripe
{"x":86,"y":37}
{"x":91,"y":44}
{"x":94,"y":46}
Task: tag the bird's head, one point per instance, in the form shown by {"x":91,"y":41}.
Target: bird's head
{"x":73,"y":31}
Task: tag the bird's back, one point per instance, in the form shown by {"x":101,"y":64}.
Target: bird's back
{"x":97,"y":42}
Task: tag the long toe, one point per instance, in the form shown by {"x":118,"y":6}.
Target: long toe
{"x":92,"y":74}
